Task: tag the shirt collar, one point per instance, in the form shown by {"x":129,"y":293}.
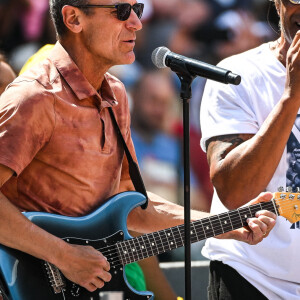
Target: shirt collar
{"x":77,"y":81}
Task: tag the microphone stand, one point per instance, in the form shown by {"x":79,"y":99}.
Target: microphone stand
{"x":186,"y":93}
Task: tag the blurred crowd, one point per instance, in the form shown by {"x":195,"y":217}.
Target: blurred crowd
{"x":208,"y":30}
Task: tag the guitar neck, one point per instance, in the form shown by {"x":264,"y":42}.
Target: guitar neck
{"x":165,"y":240}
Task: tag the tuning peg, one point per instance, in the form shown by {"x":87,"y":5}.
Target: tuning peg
{"x":289,"y":189}
{"x":281,"y":189}
{"x":291,"y":196}
{"x":297,"y":189}
{"x":282,"y":196}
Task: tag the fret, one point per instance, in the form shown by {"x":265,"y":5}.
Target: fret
{"x":244,"y":214}
{"x":124,"y":253}
{"x":137,"y":247}
{"x":131,"y":251}
{"x":192,"y":234}
{"x":195,"y":231}
{"x":118,"y":246}
{"x":207,"y":227}
{"x":274,"y":208}
{"x":141,"y":246}
{"x":239,"y":213}
{"x":270,"y":205}
{"x":225,"y":221}
{"x":167,"y":239}
{"x":148,"y":245}
{"x":181,"y":242}
{"x":216,"y":225}
{"x":159,"y":242}
{"x":171,"y":238}
{"x":254,"y":209}
{"x":249,"y":212}
{"x":202,"y":230}
{"x":222,"y":229}
{"x":153,"y":244}
{"x":232,"y":219}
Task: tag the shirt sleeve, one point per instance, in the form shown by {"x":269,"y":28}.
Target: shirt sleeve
{"x":27,"y":120}
{"x":227,"y":109}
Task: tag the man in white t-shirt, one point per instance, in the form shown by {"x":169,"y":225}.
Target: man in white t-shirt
{"x":251,"y":133}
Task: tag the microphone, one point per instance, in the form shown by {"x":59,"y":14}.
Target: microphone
{"x":162,"y":57}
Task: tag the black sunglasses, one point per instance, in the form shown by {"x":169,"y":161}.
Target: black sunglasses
{"x":123,"y":9}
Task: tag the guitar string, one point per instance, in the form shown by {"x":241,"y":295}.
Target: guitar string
{"x":165,"y":241}
{"x":162,"y":234}
{"x":165,"y":245}
{"x":132,"y":257}
{"x":180,"y":229}
{"x":178,"y":239}
{"x":195,"y":224}
{"x":162,"y":247}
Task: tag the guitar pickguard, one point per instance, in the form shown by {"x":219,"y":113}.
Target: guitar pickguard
{"x":28,"y":278}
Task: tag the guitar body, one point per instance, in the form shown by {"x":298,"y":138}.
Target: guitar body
{"x":28,"y":278}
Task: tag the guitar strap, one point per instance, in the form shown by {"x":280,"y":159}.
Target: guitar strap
{"x":134,"y":171}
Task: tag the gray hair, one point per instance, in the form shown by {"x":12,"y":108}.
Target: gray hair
{"x":56,"y":15}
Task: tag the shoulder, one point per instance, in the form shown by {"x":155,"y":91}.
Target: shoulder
{"x":249,"y":62}
{"x":43,"y":73}
{"x":26,"y":91}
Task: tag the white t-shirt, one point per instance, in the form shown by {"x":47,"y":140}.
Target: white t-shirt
{"x":272,"y":265}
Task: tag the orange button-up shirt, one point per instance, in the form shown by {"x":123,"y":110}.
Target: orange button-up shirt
{"x":57,"y":135}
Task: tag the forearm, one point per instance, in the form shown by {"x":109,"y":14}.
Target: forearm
{"x":17,"y":232}
{"x":241,"y":173}
{"x":160,"y":214}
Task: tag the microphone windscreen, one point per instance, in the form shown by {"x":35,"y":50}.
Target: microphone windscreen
{"x":159,"y":57}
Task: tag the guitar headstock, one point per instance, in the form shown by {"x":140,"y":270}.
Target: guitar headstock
{"x":288,"y":204}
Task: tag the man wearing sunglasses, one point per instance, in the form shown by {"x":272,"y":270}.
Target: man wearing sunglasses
{"x":59,"y":150}
{"x":251,"y":133}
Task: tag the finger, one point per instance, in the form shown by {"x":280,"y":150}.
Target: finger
{"x":295,"y":42}
{"x":258,"y":228}
{"x":98,"y":283}
{"x":103,"y":263}
{"x":90,"y":287}
{"x":268,"y":214}
{"x":269,"y":221}
{"x":263,"y":197}
{"x":106,"y":265}
{"x":267,"y":217}
{"x":105,"y":276}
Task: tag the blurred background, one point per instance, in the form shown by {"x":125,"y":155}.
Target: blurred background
{"x":207,"y":30}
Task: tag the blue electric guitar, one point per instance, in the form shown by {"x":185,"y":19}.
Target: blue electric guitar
{"x":28,"y":278}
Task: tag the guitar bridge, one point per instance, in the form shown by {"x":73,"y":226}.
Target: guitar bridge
{"x":55,"y":278}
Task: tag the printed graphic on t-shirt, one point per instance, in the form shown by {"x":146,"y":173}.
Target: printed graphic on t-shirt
{"x":293,"y":159}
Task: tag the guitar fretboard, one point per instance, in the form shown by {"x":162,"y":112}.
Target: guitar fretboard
{"x":165,"y":240}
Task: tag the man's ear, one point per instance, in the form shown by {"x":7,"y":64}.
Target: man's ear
{"x":71,"y":16}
